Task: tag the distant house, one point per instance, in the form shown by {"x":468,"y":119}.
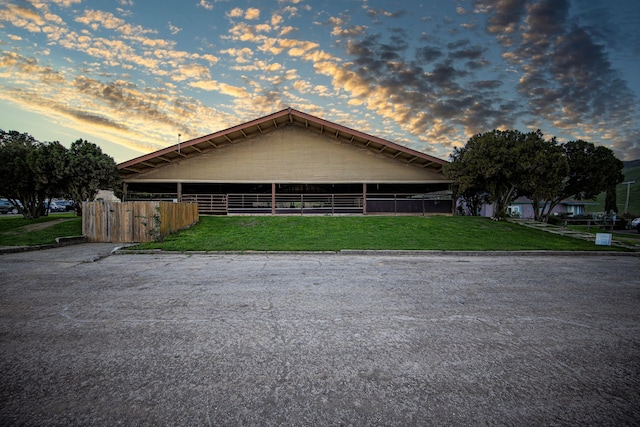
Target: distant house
{"x":291,"y":162}
{"x":106,"y":195}
{"x":522,"y":207}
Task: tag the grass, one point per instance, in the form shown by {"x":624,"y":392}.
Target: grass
{"x":289,"y":233}
{"x":316,"y":233}
{"x":630,"y":174}
{"x":16,"y":231}
{"x":631,"y":238}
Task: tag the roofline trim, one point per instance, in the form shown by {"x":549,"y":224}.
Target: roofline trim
{"x":290,"y":113}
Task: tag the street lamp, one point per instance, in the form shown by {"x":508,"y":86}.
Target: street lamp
{"x":626,"y":205}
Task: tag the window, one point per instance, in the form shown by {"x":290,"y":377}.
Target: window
{"x":514,"y":211}
{"x":575,"y":209}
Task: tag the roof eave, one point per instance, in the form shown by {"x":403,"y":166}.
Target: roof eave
{"x":288,"y":116}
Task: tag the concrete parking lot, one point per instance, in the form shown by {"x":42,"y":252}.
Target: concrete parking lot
{"x":318,"y":339}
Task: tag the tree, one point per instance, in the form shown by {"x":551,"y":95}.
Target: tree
{"x":18,"y":183}
{"x":49,"y":163}
{"x":90,"y":170}
{"x":504,"y":165}
{"x":611,"y":200}
{"x":508,"y":164}
{"x":544,"y":171}
{"x":33,"y":172}
{"x":592,"y":170}
{"x":472,"y":200}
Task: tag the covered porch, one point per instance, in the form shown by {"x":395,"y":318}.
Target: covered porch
{"x":299,"y":198}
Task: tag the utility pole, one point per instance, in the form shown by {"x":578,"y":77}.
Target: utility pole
{"x":626,"y":205}
{"x":179,"y":135}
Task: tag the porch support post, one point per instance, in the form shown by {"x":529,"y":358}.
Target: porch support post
{"x":364,"y":198}
{"x":179,"y":191}
{"x":273,"y":198}
{"x":124,"y":191}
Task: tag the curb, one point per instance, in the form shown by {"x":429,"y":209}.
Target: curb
{"x":352,"y":252}
{"x":60,"y":242}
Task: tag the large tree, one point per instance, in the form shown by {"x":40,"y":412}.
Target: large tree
{"x":504,"y":165}
{"x":90,"y":170}
{"x":544,"y":171}
{"x":49,"y":163}
{"x":33,"y":172}
{"x":485,"y":165}
{"x":19,"y":182}
{"x":592,"y":170}
{"x":508,"y":164}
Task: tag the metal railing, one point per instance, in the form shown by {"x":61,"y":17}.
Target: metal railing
{"x":208,"y":204}
{"x":135,"y":196}
{"x":295,"y":203}
{"x":222,"y":204}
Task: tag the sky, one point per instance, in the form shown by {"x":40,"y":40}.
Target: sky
{"x":135,"y":76}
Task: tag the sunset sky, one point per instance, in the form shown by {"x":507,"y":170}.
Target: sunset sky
{"x":130,"y":75}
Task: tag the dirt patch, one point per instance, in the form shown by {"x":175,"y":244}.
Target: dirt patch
{"x":43,"y":225}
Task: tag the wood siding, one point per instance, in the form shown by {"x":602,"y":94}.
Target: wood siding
{"x":135,"y":221}
{"x":292,"y":155}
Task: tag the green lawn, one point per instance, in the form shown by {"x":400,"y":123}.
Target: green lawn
{"x":316,"y":233}
{"x":16,"y":231}
{"x":630,"y":174}
{"x":631,"y":238}
{"x":290,"y":233}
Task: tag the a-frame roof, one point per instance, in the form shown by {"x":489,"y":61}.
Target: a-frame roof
{"x":270,"y":123}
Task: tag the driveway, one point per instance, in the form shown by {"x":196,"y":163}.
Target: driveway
{"x":318,"y":339}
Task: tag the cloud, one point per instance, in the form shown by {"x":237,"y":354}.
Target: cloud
{"x":252,"y":13}
{"x":118,"y":110}
{"x":432,"y":96}
{"x":190,"y":71}
{"x":173,"y":29}
{"x":206,"y":4}
{"x":504,"y":16}
{"x":297,"y":47}
{"x":381,"y":12}
{"x":276,"y":20}
{"x":439,"y":86}
{"x":97,"y":19}
{"x":242,"y":56}
{"x":286,"y":30}
{"x":223,"y":88}
{"x":235,"y":13}
{"x":427,"y":54}
{"x":29,"y":68}
{"x":566,"y":75}
{"x":22,"y":17}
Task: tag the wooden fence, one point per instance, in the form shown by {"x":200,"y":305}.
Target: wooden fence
{"x":125,"y":222}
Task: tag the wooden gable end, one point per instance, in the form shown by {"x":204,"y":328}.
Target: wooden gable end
{"x":292,"y":154}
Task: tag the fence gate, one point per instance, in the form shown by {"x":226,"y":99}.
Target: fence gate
{"x":126,"y":222}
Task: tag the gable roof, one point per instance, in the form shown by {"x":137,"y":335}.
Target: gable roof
{"x":270,"y":123}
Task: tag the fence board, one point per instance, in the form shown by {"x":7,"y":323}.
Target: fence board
{"x":135,"y":221}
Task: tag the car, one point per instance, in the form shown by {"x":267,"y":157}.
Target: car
{"x":68,"y":205}
{"x":55,"y":207}
{"x":635,"y":224}
{"x":7,"y":207}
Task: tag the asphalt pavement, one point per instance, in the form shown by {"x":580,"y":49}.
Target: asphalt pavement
{"x":90,"y":338}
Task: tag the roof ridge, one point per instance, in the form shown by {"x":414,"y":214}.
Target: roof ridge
{"x":269,"y":123}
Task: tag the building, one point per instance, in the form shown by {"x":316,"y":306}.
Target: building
{"x":522,"y":207}
{"x":291,"y":162}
